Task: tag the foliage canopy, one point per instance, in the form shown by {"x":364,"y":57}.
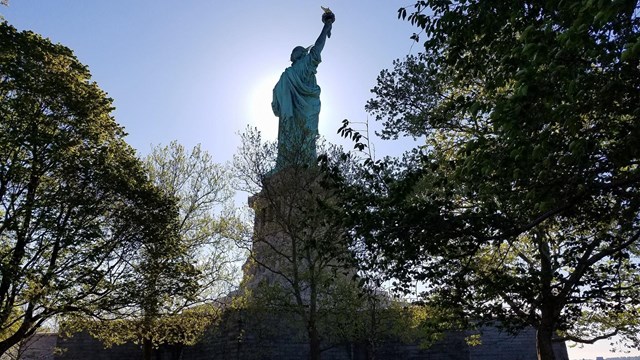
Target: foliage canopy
{"x":523,"y":203}
{"x":75,"y":199}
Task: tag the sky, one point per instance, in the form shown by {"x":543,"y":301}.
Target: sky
{"x":201,"y":71}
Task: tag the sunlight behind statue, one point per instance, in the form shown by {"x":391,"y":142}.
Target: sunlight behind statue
{"x":296,"y":102}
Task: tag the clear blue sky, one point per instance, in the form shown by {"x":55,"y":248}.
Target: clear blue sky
{"x":200,"y":71}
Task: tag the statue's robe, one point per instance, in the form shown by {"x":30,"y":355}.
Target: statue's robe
{"x":296,"y":102}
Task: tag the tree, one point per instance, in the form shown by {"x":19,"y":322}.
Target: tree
{"x":172,"y":331}
{"x":301,"y":268}
{"x":299,"y":265}
{"x":203,"y":191}
{"x":523,"y":204}
{"x":177,"y":278}
{"x":75,"y":199}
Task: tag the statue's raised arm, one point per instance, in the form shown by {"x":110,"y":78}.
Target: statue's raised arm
{"x":296,"y":102}
{"x":327,"y":18}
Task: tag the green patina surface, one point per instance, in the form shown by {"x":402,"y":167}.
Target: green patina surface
{"x":296,"y":102}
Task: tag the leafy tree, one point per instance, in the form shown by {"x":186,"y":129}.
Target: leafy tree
{"x":523,"y":203}
{"x":208,"y":255}
{"x":199,"y":266}
{"x":75,"y":199}
{"x":299,"y":263}
{"x":207,"y":220}
{"x":178,"y":329}
{"x":301,"y":268}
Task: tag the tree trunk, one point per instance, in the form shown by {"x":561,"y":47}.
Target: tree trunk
{"x":549,"y":306}
{"x":371,"y":338}
{"x":544,"y":343}
{"x":147,"y":349}
{"x":371,"y":349}
{"x":314,"y":342}
{"x":21,"y":334}
{"x":4,"y":347}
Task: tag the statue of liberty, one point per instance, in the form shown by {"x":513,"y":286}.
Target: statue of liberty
{"x":296,"y":102}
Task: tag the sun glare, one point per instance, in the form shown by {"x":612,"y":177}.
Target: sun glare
{"x":259,"y":106}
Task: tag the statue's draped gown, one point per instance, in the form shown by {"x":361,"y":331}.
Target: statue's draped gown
{"x":296,"y":102}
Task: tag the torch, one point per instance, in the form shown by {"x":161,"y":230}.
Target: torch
{"x":328,"y":17}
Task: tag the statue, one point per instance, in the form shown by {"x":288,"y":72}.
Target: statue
{"x":296,"y":102}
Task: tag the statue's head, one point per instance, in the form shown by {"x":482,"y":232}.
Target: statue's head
{"x":298,"y":52}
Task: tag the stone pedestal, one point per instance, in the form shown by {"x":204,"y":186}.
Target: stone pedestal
{"x":291,"y":232}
